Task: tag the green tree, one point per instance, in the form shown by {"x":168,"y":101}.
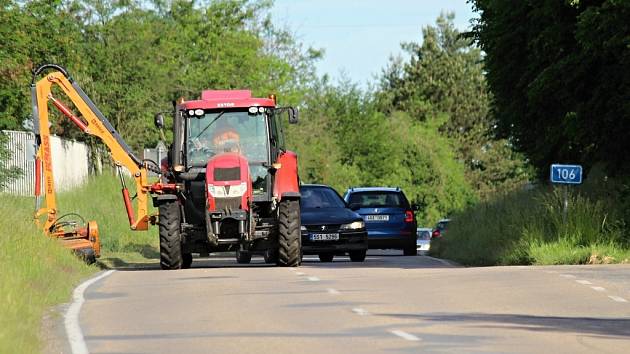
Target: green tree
{"x":446,"y":75}
{"x":560,"y":74}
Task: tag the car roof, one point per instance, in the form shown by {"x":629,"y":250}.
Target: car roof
{"x":315,"y":185}
{"x":374,"y":189}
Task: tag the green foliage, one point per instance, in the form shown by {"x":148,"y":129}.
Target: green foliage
{"x":560,"y":73}
{"x":527,"y":227}
{"x":446,"y":75}
{"x":134,"y":58}
{"x":345,"y":140}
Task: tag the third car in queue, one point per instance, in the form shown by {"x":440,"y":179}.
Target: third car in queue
{"x":329,"y":228}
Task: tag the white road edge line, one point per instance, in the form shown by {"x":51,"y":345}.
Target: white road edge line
{"x":71,"y":321}
{"x":444,"y":262}
{"x":567,"y":275}
{"x":598,"y":288}
{"x":359,"y":311}
{"x":405,"y":335}
{"x":333,"y":291}
{"x":299,"y":273}
{"x":584,"y":282}
{"x":312,"y":279}
{"x":617,"y":298}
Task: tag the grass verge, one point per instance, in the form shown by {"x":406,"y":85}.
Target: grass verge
{"x":527,"y":227}
{"x":37,"y":273}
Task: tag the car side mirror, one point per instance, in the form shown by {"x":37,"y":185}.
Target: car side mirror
{"x":159,"y":121}
{"x":354,"y":206}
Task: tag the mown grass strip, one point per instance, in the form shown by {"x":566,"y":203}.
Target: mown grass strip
{"x":36,"y":273}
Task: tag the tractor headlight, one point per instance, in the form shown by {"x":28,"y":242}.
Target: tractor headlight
{"x":229,"y":191}
{"x":303,"y":228}
{"x":356,"y":225}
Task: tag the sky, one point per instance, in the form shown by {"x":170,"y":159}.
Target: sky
{"x":359,"y":36}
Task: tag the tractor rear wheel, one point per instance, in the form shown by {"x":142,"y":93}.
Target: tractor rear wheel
{"x":170,"y":237}
{"x":289,"y":242}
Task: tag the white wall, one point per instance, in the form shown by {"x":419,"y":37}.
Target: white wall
{"x":70,"y":162}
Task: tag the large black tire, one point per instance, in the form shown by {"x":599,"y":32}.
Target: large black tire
{"x":243,"y":257}
{"x":289,"y":242}
{"x":170,"y":236}
{"x":411,"y":250}
{"x":357,"y":256}
{"x":326,"y":257}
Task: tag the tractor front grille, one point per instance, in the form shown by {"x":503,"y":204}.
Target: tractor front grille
{"x":224,"y":204}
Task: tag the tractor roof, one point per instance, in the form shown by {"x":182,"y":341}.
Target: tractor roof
{"x":211,"y":99}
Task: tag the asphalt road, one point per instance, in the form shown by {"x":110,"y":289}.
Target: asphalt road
{"x":388,"y":304}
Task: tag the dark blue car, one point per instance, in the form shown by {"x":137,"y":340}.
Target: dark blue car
{"x":329,"y":227}
{"x":388,"y":216}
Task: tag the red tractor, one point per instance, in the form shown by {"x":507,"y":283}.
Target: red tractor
{"x":238,"y":186}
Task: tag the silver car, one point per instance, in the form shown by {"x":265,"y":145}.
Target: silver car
{"x":423,"y":239}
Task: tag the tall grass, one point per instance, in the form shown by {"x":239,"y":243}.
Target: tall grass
{"x":527,"y":227}
{"x":37,"y":273}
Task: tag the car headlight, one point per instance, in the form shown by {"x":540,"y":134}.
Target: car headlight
{"x":303,"y":228}
{"x":227,"y":191}
{"x":356,"y":225}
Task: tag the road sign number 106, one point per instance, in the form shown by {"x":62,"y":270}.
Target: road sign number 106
{"x":570,"y":174}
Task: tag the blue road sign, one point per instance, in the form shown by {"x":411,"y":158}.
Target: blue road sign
{"x":566,"y":174}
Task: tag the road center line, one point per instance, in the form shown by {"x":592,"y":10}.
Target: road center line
{"x":359,"y":311}
{"x":333,"y":291}
{"x":598,"y":288}
{"x":312,"y":279}
{"x":567,"y":275}
{"x":584,"y":282}
{"x":617,"y":298}
{"x":71,"y":322}
{"x":405,"y":335}
{"x":299,"y":273}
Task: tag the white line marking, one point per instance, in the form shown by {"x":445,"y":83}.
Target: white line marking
{"x":312,"y":279}
{"x":617,"y":298}
{"x":598,"y":288}
{"x":584,"y":282}
{"x":567,"y":276}
{"x":333,"y":291}
{"x":299,"y":273}
{"x":444,"y":262}
{"x":359,"y":311}
{"x":405,"y":335}
{"x":73,"y":329}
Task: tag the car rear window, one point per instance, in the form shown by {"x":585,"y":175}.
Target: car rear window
{"x":320,"y":197}
{"x":378,"y":199}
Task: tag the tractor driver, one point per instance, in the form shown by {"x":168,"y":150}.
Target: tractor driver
{"x":226,"y":139}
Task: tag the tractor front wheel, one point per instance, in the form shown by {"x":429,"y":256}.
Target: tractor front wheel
{"x":289,"y":243}
{"x":170,"y":237}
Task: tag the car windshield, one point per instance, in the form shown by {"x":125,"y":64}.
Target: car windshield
{"x":442,"y":225}
{"x":320,"y":197}
{"x":227,"y":131}
{"x":424,"y":235}
{"x":378,"y":199}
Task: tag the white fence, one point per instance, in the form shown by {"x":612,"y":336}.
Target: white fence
{"x":70,"y":162}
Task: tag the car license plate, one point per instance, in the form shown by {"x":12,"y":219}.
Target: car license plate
{"x":324,"y":237}
{"x":377,"y":218}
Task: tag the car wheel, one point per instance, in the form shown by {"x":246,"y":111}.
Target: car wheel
{"x":411,"y":250}
{"x":243,"y":257}
{"x":326,"y":257}
{"x":357,"y":256}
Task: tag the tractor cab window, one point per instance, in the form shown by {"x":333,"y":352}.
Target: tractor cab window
{"x":230,"y":131}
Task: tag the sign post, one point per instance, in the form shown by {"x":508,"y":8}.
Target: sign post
{"x":565,"y":175}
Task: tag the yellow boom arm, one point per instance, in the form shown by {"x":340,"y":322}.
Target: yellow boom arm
{"x":92,"y":122}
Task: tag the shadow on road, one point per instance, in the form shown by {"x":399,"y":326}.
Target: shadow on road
{"x":618,"y":327}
